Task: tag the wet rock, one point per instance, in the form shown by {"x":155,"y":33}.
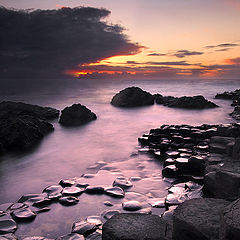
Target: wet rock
{"x":95,"y":236}
{"x":229,"y":95}
{"x":222,"y":145}
{"x":95,"y":190}
{"x":222,"y":184}
{"x":66,"y":182}
{"x":116,"y":192}
{"x":169,"y":161}
{"x":36,"y":238}
{"x":132,"y":97}
{"x":24,"y":214}
{"x":22,"y":131}
{"x":16,"y":206}
{"x":7,"y":225}
{"x":131,"y":205}
{"x":53,"y":191}
{"x":170,"y":171}
{"x":236,"y":113}
{"x":230,"y":228}
{"x":107,"y":214}
{"x":76,"y":115}
{"x":198,"y":219}
{"x":71,"y":236}
{"x":41,"y":210}
{"x":72,"y":191}
{"x":68,"y":200}
{"x":8,"y":236}
{"x":94,"y":220}
{"x":84,"y":228}
{"x":195,"y":102}
{"x":5,"y":206}
{"x":172,"y":154}
{"x":122,"y":182}
{"x":37,"y":200}
{"x":107,"y":203}
{"x":157,"y":202}
{"x":134,"y":226}
{"x":168,"y":215}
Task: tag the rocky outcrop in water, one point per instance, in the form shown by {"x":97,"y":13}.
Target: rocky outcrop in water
{"x":23,"y":125}
{"x":132,"y":97}
{"x":76,"y":115}
{"x":195,"y":102}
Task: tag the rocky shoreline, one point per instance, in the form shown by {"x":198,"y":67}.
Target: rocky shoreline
{"x":196,"y":195}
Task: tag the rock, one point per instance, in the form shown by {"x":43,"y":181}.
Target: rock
{"x":157,"y":202}
{"x":95,"y":190}
{"x":195,"y":102}
{"x":170,"y":171}
{"x":22,"y":131}
{"x":230,"y":228}
{"x":73,"y":191}
{"x":53,"y":191}
{"x":229,"y":95}
{"x":236,"y":149}
{"x":94,"y":220}
{"x":7,"y":225}
{"x":8,"y":236}
{"x":236,"y":113}
{"x":36,"y":238}
{"x":76,"y":115}
{"x":23,"y":109}
{"x":71,"y":236}
{"x":95,"y":236}
{"x":131,"y":205}
{"x":134,"y":227}
{"x":223,"y":184}
{"x":37,"y":200}
{"x":66,"y":182}
{"x":24,"y":214}
{"x":17,"y":206}
{"x":69,"y":200}
{"x":122,"y":182}
{"x":107,"y":214}
{"x":108,"y":204}
{"x":84,"y":228}
{"x":132,"y":97}
{"x":222,"y":145}
{"x":115,"y":192}
{"x":198,"y":219}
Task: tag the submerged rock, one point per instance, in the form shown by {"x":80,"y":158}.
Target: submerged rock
{"x":132,"y":97}
{"x":134,"y":226}
{"x":198,"y":219}
{"x":76,"y":115}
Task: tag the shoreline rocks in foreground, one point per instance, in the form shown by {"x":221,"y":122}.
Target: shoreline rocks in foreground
{"x":132,"y":97}
{"x":76,"y":115}
{"x":23,"y":125}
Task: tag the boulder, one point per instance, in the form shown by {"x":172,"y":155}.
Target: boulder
{"x":230,"y":224}
{"x":132,"y":97}
{"x":76,"y":115}
{"x":198,"y":219}
{"x":195,"y":102}
{"x":23,"y":109}
{"x":134,"y":226}
{"x":223,"y":184}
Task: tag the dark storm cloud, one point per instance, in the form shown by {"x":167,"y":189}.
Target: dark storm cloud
{"x":47,"y":42}
{"x":185,"y":53}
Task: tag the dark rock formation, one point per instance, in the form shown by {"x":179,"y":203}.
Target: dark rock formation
{"x":230,"y":224}
{"x":134,"y":227}
{"x":23,"y":109}
{"x":198,"y":219}
{"x":76,"y":115}
{"x":236,"y":113}
{"x":195,"y":102}
{"x":23,"y":125}
{"x":229,"y":95}
{"x":132,"y":97}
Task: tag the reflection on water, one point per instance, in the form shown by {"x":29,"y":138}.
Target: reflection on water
{"x":67,"y":152}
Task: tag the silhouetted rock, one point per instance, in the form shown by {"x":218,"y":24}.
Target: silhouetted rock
{"x":195,"y":102}
{"x":230,"y":224}
{"x":23,"y":109}
{"x":76,"y":115}
{"x":132,"y":97}
{"x":229,"y":95}
{"x":236,"y":113}
{"x":198,"y":219}
{"x":134,"y":226}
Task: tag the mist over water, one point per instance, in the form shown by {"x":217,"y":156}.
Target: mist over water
{"x":67,"y":152}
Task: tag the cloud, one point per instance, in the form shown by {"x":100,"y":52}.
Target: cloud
{"x":223,"y":45}
{"x":44,"y":43}
{"x":157,"y":54}
{"x":177,"y":63}
{"x":222,"y":50}
{"x":233,"y":61}
{"x":185,"y":53}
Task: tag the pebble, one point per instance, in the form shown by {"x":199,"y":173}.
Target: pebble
{"x":131,"y":205}
{"x":116,"y":192}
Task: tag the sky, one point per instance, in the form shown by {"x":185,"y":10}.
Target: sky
{"x":162,"y":38}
